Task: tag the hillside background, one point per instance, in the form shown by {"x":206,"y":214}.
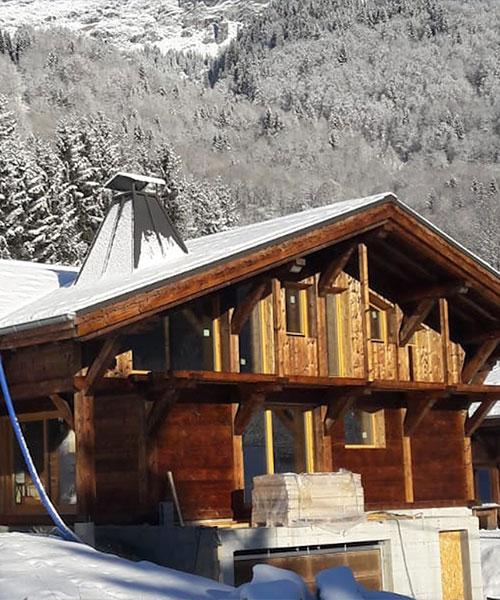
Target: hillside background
{"x":314,"y":101}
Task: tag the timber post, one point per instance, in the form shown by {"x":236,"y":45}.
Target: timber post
{"x":85,"y":456}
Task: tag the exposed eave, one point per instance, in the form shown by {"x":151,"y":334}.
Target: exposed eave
{"x":147,"y":300}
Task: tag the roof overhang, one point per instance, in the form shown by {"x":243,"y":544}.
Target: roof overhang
{"x":404,"y":223}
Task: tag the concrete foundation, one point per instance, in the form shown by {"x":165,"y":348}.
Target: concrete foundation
{"x":410,"y":547}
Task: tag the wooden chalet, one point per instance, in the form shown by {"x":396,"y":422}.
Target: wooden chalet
{"x":354,"y":336}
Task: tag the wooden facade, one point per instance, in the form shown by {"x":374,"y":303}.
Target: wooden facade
{"x":364,"y":343}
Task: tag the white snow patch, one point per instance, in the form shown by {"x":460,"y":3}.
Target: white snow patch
{"x":46,"y":568}
{"x":490,"y":562}
{"x":167,"y":24}
{"x":24,"y":282}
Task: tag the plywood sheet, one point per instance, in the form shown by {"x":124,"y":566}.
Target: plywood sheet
{"x":454,"y":578}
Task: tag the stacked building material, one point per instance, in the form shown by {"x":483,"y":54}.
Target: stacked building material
{"x":289,"y":499}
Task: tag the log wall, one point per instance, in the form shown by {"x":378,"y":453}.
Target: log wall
{"x":195,"y":442}
{"x":381,"y":469}
{"x":438,"y":457}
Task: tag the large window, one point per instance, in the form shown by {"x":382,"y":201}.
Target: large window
{"x":364,"y":429}
{"x":192,"y":338}
{"x":52,"y":447}
{"x":278,"y":440}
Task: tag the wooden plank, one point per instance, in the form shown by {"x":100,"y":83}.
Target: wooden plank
{"x":334,"y":268}
{"x":445,"y":338}
{"x":160,"y":409}
{"x":468,"y":470}
{"x":417,"y":411}
{"x":411,"y":323}
{"x":407,"y":465}
{"x":102,"y":362}
{"x":473,"y":422}
{"x":278,"y":327}
{"x":64,"y":408}
{"x":85,"y":455}
{"x":40,"y":389}
{"x":474,"y":363}
{"x":365,"y":310}
{"x":243,"y":311}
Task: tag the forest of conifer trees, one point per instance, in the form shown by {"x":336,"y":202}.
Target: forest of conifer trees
{"x":315,"y":101}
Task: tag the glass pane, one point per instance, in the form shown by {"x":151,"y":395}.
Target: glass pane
{"x":289,"y":443}
{"x":484,"y":485}
{"x":358,"y":428}
{"x":293,"y":299}
{"x":250,"y":344}
{"x":191,"y":340}
{"x":24,"y":489}
{"x":62,"y":443}
{"x":254,"y":451}
{"x":375,"y":324}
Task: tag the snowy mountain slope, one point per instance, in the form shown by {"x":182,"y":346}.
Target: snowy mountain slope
{"x":202,"y":26}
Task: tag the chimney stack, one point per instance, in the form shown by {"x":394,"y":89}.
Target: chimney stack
{"x":136,"y":232}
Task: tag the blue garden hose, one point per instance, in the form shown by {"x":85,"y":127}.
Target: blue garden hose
{"x":61,"y":526}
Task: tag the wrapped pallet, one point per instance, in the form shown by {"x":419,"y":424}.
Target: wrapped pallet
{"x":289,"y":499}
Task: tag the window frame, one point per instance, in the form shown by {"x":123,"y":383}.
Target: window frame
{"x":377,"y":422}
{"x":302,"y":296}
{"x":35,"y":506}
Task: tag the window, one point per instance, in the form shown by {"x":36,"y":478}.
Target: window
{"x":52,"y":447}
{"x":278,"y":440}
{"x":377,"y":324}
{"x":362,"y":428}
{"x":296,"y":310}
{"x":192,"y":338}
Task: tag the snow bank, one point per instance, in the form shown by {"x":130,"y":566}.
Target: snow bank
{"x":43,"y":568}
{"x":490,"y":562}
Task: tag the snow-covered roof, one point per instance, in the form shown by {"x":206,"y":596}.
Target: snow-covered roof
{"x":492,"y":379}
{"x":23,"y":282}
{"x":203,"y":253}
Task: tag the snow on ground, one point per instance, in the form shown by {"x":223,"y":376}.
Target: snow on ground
{"x":42,"y":568}
{"x":490,"y":562}
{"x":168,"y":24}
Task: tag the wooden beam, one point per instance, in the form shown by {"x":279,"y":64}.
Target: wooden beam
{"x":365,"y":310}
{"x":243,"y":311}
{"x":482,"y":336}
{"x":246,"y":409}
{"x":101,"y":362}
{"x":417,"y":409}
{"x":434,"y":292}
{"x":444,"y":322}
{"x":64,"y":408}
{"x":474,"y":363}
{"x":473,"y":422}
{"x":85,"y":455}
{"x":411,"y":323}
{"x":39,"y":389}
{"x":160,"y":409}
{"x":337,"y":409}
{"x":333,"y":270}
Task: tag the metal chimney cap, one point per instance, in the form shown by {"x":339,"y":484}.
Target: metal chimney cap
{"x":125,"y":182}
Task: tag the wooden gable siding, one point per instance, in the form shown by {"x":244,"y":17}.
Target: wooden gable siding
{"x":288,"y":354}
{"x":381,"y":469}
{"x":120,"y":460}
{"x":438,"y":457}
{"x":195,"y":442}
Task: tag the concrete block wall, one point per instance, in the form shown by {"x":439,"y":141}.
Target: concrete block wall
{"x":410,"y":547}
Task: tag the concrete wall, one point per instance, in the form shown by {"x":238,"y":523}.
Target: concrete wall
{"x":410,"y":547}
{"x":413,"y":541}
